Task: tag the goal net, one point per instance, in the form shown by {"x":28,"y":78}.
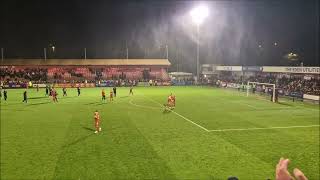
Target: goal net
{"x":263,"y":87}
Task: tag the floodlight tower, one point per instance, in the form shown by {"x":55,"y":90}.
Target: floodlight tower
{"x":198,"y":15}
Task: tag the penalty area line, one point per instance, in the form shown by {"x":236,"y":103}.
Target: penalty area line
{"x":179,"y":115}
{"x":190,"y":121}
{"x":252,"y":129}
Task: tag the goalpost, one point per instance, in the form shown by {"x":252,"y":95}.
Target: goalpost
{"x":273,"y":86}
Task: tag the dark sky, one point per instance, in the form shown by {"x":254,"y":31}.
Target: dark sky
{"x":231,"y":35}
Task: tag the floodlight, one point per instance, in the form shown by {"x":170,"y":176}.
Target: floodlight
{"x":199,"y":14}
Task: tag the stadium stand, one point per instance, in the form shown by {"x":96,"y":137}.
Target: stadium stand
{"x":79,"y":70}
{"x":293,"y":84}
{"x":289,"y":80}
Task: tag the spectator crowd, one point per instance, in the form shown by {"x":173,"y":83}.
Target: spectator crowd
{"x":98,"y":75}
{"x":298,"y":84}
{"x":31,"y":74}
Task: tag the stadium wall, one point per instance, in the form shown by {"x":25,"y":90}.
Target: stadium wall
{"x":311,"y":97}
{"x":211,"y":69}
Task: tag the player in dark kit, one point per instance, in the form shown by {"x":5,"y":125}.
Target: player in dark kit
{"x":253,"y":88}
{"x":5,"y":96}
{"x":25,"y":97}
{"x":276,"y":95}
{"x":131,"y":90}
{"x":64,"y":90}
{"x":47,"y":90}
{"x":78,"y":89}
{"x":115,"y":91}
{"x":50,"y":91}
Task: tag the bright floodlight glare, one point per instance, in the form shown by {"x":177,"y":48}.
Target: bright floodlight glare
{"x":198,"y":14}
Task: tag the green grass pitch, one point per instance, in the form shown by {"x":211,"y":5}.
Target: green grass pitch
{"x":45,"y":140}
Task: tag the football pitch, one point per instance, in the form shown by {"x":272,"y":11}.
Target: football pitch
{"x":211,"y":134}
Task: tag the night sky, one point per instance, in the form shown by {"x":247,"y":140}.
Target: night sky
{"x":231,"y":35}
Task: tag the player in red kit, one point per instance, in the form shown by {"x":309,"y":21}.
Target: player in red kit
{"x":173,"y":97}
{"x":169,"y":99}
{"x":170,"y":102}
{"x":97,"y":121}
{"x":54,"y":95}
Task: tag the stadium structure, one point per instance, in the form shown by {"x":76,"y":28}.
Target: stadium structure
{"x":71,"y":72}
{"x":290,"y":81}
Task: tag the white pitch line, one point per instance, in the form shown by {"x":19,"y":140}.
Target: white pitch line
{"x":181,"y":116}
{"x":250,"y":106}
{"x":190,"y":121}
{"x":250,"y":129}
